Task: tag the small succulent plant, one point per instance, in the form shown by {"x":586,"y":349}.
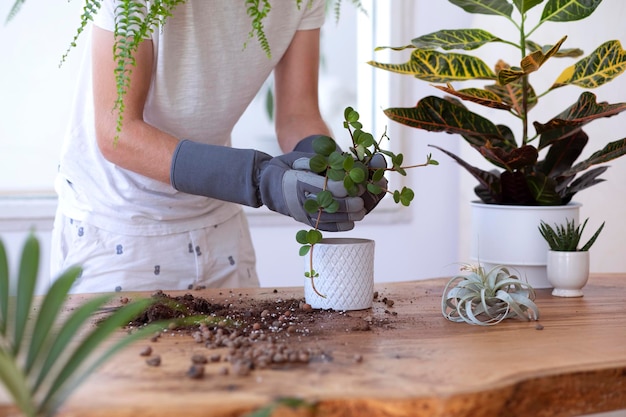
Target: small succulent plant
{"x":566,"y":237}
{"x":487,"y":298}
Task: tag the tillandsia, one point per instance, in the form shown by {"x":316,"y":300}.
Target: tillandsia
{"x":488,"y":298}
{"x":43,"y":358}
{"x":356,"y":171}
{"x":566,"y":237}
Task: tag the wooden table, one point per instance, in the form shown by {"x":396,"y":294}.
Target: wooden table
{"x":419,"y":364}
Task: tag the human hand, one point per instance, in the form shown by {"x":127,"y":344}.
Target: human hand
{"x":286,"y":182}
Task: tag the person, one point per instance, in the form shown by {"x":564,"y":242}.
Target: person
{"x":159,"y":207}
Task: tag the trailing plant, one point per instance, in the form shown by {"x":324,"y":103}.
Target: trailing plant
{"x":361,"y":167}
{"x":521,"y":177}
{"x":566,"y":237}
{"x":44,"y":358}
{"x":488,"y":298}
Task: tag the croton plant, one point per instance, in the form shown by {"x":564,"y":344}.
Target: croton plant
{"x":523,"y":174}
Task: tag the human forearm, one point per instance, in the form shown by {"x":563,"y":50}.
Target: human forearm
{"x":140,"y":148}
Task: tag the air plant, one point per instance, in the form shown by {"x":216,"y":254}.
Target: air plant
{"x":486,"y":299}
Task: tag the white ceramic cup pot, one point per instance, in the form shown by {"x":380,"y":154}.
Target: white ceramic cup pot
{"x":568,"y":272}
{"x":346,"y":274}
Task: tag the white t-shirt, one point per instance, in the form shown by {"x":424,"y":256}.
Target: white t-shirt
{"x":203,"y":80}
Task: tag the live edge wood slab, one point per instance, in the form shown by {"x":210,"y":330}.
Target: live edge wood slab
{"x":569,"y":363}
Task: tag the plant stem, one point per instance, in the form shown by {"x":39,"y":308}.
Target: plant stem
{"x":311,"y":275}
{"x":311,"y":270}
{"x":524,"y":84}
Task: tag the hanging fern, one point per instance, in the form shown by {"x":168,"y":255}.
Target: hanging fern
{"x":14,"y":10}
{"x":336,"y":5}
{"x":90,"y":9}
{"x":134,"y":24}
{"x":258,"y":11}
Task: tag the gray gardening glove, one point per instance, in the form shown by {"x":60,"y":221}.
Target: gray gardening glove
{"x":370,"y":200}
{"x":254,"y":178}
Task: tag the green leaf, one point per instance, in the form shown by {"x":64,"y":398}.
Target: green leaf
{"x":397,"y":160}
{"x":611,"y":151}
{"x":78,"y":377}
{"x":314,"y":236}
{"x":304,"y":250}
{"x":350,"y":115}
{"x":543,"y":189}
{"x":374,"y":189}
{"x":4,"y":290}
{"x":568,"y":10}
{"x":350,"y":186}
{"x":525,"y":5}
{"x":476,"y":95}
{"x":489,"y":7}
{"x":318,"y":164}
{"x":438,"y":67}
{"x":27,"y":279}
{"x":466,"y":39}
{"x":93,"y":340}
{"x":66,"y":335}
{"x":364,"y":139}
{"x":378,"y":175}
{"x":600,"y":67}
{"x":49,"y":312}
{"x":17,"y":5}
{"x":529,"y":64}
{"x":406,"y":196}
{"x":585,"y":110}
{"x":359,"y":173}
{"x":311,"y":206}
{"x":324,"y":145}
{"x":360,"y":152}
{"x":332,"y":207}
{"x":301,"y":237}
{"x":593,"y":238}
{"x":336,"y":174}
{"x":348,"y":163}
{"x":438,"y":115}
{"x":324,"y":198}
{"x":269,"y":103}
{"x":337,"y":160}
{"x":15,"y":383}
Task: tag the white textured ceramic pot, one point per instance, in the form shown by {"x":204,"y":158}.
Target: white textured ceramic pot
{"x":568,"y":272}
{"x":346,"y":274}
{"x":509,"y":235}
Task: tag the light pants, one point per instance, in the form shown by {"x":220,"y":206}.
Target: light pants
{"x":216,"y":256}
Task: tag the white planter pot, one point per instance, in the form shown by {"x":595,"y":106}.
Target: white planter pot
{"x":568,"y":272}
{"x":346,"y":274}
{"x":509,"y":235}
